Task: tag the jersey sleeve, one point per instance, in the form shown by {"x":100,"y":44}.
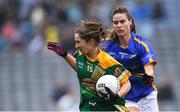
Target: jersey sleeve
{"x":120,"y":72}
{"x":146,"y":53}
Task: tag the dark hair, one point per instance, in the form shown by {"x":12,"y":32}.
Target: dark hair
{"x":91,"y":30}
{"x":122,"y":9}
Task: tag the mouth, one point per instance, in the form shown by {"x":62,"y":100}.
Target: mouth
{"x":120,"y":31}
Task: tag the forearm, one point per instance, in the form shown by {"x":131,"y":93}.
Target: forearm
{"x":71,"y":61}
{"x":149,"y":70}
{"x":124,"y":89}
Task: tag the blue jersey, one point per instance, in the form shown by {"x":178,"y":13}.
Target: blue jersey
{"x":138,"y":54}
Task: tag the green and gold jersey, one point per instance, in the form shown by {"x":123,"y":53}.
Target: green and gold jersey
{"x":90,"y":70}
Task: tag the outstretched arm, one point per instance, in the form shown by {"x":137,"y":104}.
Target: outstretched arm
{"x":71,"y":61}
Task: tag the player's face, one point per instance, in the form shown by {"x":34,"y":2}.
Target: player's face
{"x":82,"y":45}
{"x":121,"y":24}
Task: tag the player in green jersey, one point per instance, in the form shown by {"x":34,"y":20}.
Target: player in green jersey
{"x":90,"y":64}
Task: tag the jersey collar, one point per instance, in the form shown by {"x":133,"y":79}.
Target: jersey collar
{"x":96,"y":58}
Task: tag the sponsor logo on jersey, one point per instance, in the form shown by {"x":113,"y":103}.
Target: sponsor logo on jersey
{"x":149,"y":55}
{"x":123,"y":53}
{"x":92,"y":103}
{"x":133,"y":56}
{"x":111,"y":53}
{"x":89,"y":84}
{"x":80,"y":64}
{"x":117,"y":72}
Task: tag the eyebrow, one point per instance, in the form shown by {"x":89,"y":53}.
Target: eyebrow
{"x":120,"y":19}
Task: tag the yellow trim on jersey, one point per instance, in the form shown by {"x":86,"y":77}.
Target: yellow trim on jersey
{"x":139,"y":75}
{"x":152,"y":61}
{"x":124,"y":77}
{"x":121,"y":108}
{"x":143,"y":43}
{"x":105,"y":60}
{"x":147,"y":49}
{"x":154,"y":86}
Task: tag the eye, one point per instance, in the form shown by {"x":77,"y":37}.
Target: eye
{"x":123,"y":21}
{"x":115,"y":22}
{"x":120,"y":21}
{"x":76,"y":41}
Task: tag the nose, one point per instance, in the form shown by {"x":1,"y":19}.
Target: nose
{"x":76,"y":46}
{"x":119,"y":24}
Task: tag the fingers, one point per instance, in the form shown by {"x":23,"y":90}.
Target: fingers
{"x":103,"y":95}
{"x":107,"y":89}
{"x":52,"y":44}
{"x":57,"y":48}
{"x":51,"y":48}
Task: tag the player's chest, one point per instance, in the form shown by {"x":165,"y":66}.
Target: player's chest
{"x":123,"y":55}
{"x":85,"y":68}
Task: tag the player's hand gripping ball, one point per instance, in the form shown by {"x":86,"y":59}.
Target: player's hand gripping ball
{"x":107,"y":81}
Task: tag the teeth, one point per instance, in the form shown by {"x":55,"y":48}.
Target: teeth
{"x":120,"y":31}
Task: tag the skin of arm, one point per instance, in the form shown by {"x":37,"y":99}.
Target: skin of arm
{"x":71,"y":61}
{"x":149,"y":69}
{"x":124,"y":89}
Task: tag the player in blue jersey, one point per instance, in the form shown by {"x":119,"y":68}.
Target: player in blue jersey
{"x":136,"y":54}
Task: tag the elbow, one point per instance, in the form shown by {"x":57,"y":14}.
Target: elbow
{"x":129,"y":86}
{"x":125,"y":89}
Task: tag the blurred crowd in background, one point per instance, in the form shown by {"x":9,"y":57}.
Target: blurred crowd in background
{"x":26,"y":26}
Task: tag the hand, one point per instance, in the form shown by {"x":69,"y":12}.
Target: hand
{"x":109,"y":96}
{"x":148,"y":79}
{"x":57,"y":48}
{"x":112,"y":97}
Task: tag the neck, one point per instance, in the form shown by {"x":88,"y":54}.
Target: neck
{"x":93,"y":53}
{"x":124,"y":40}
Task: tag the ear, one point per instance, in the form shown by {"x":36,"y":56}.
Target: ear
{"x":92,"y":42}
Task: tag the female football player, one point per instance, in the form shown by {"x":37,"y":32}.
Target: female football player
{"x":90,"y":64}
{"x":135,"y":53}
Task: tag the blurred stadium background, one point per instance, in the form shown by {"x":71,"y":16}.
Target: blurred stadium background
{"x":35,"y":79}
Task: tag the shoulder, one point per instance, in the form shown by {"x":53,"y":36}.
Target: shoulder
{"x":138,"y":38}
{"x":142,"y":42}
{"x":107,"y":42}
{"x":107,"y":61}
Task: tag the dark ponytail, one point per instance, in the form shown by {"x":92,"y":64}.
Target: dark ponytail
{"x":133,"y":26}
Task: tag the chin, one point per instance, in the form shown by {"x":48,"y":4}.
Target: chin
{"x":121,"y":35}
{"x":82,"y":53}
